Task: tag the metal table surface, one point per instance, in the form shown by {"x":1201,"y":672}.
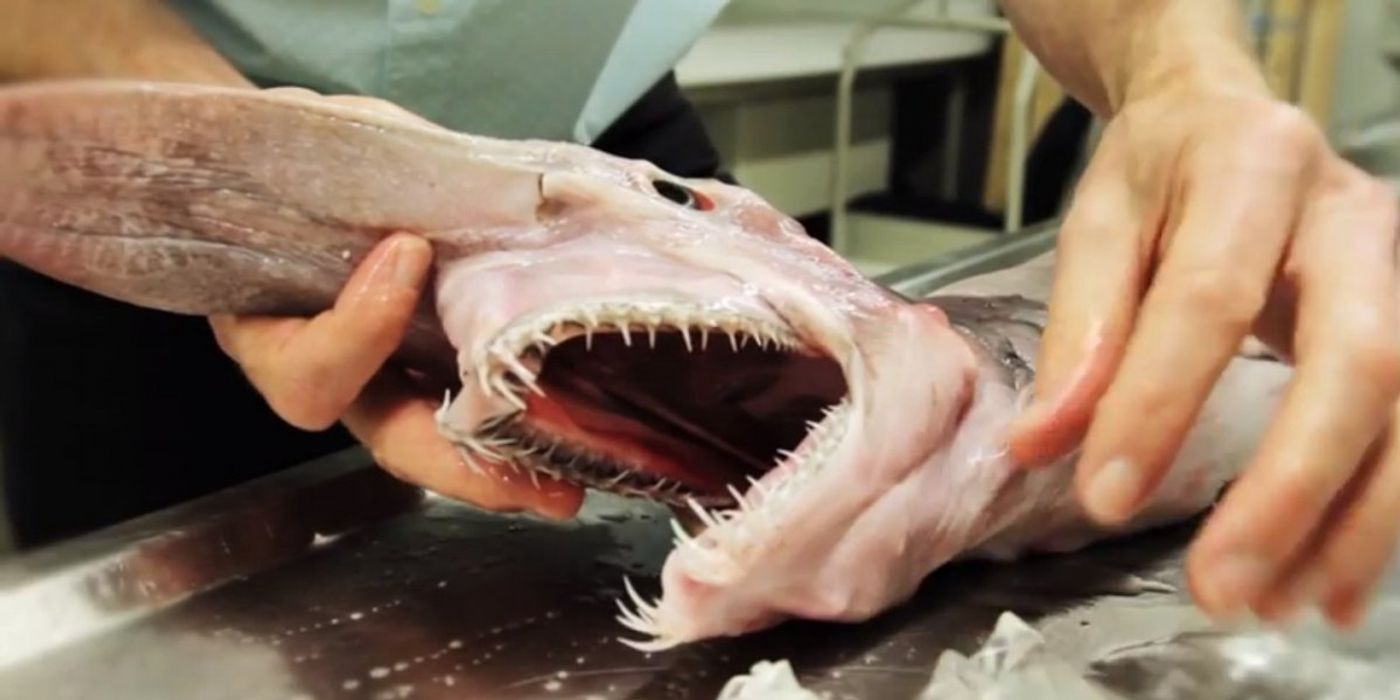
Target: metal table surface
{"x":335,"y":581}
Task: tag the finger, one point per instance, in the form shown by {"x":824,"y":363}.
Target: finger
{"x":1317,"y":566}
{"x":1098,"y":274}
{"x":309,"y":371}
{"x":400,"y":430}
{"x":1363,"y":544}
{"x":1303,"y":579}
{"x":1344,"y":390}
{"x":1212,"y":282}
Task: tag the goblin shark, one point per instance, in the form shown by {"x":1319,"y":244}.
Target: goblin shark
{"x":605,"y":323}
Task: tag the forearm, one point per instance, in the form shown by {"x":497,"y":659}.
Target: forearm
{"x":134,"y":39}
{"x":1107,"y":51}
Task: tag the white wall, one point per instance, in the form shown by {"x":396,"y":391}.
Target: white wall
{"x":1367,"y":87}
{"x":781,"y":147}
{"x":1366,"y":98}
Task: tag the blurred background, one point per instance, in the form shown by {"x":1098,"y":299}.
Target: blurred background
{"x":951,"y":135}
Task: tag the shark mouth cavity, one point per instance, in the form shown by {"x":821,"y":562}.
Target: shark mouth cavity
{"x":682,"y":405}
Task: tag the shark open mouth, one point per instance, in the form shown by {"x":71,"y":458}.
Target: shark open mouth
{"x":673,"y":403}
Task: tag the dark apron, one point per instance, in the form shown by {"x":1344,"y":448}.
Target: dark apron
{"x":109,"y":411}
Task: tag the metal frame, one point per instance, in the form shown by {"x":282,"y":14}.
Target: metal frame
{"x":1001,"y":252}
{"x":845,"y":90}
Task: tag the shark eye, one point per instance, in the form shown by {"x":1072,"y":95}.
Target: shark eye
{"x":682,"y":195}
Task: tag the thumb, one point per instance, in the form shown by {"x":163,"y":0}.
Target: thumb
{"x":1098,"y":278}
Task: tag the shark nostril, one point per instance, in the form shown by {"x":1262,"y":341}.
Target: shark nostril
{"x":682,"y":195}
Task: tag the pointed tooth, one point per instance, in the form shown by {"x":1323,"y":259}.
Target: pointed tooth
{"x":685,"y":335}
{"x":631,"y":618}
{"x":533,"y":384}
{"x":651,"y":335}
{"x":682,"y":536}
{"x":622,"y":608}
{"x":700,"y":512}
{"x":640,"y":626}
{"x":521,"y":373}
{"x":588,"y":338}
{"x":704,"y":338}
{"x":637,"y":625}
{"x":511,"y":362}
{"x":738,"y":498}
{"x":509,"y":395}
{"x":733,"y":342}
{"x":470,"y":460}
{"x":642,"y":605}
{"x":758,"y":486}
{"x":654,"y":646}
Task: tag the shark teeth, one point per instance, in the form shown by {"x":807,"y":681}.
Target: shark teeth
{"x":716,"y":553}
{"x":644,"y":618}
{"x":510,"y":364}
{"x":501,"y":441}
{"x":500,"y":370}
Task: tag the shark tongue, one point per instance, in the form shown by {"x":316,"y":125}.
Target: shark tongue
{"x":635,"y":443}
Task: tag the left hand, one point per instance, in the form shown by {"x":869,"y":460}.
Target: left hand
{"x":334,"y":367}
{"x":1207,"y":214}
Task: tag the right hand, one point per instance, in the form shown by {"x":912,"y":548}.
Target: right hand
{"x":315,"y":372}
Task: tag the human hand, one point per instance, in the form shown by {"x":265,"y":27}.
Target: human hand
{"x":1209,"y":213}
{"x":315,"y":372}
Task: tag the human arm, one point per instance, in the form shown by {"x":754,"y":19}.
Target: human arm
{"x":132,"y":39}
{"x":312,"y":372}
{"x":1212,"y":210}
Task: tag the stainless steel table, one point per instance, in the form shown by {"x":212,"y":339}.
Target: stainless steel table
{"x":334,"y":581}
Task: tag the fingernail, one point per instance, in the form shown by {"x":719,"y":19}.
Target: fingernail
{"x":410,"y":258}
{"x":1310,"y":587}
{"x":1346,"y":610}
{"x":1236,"y":580}
{"x":1113,"y":491}
{"x":1301,"y":593}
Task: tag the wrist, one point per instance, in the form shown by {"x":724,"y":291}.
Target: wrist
{"x":1225,"y":70}
{"x":1167,"y":58}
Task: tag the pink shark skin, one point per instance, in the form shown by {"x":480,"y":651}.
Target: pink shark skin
{"x":681,"y":341}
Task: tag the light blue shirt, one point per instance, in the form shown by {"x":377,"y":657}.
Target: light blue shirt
{"x":553,"y":69}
